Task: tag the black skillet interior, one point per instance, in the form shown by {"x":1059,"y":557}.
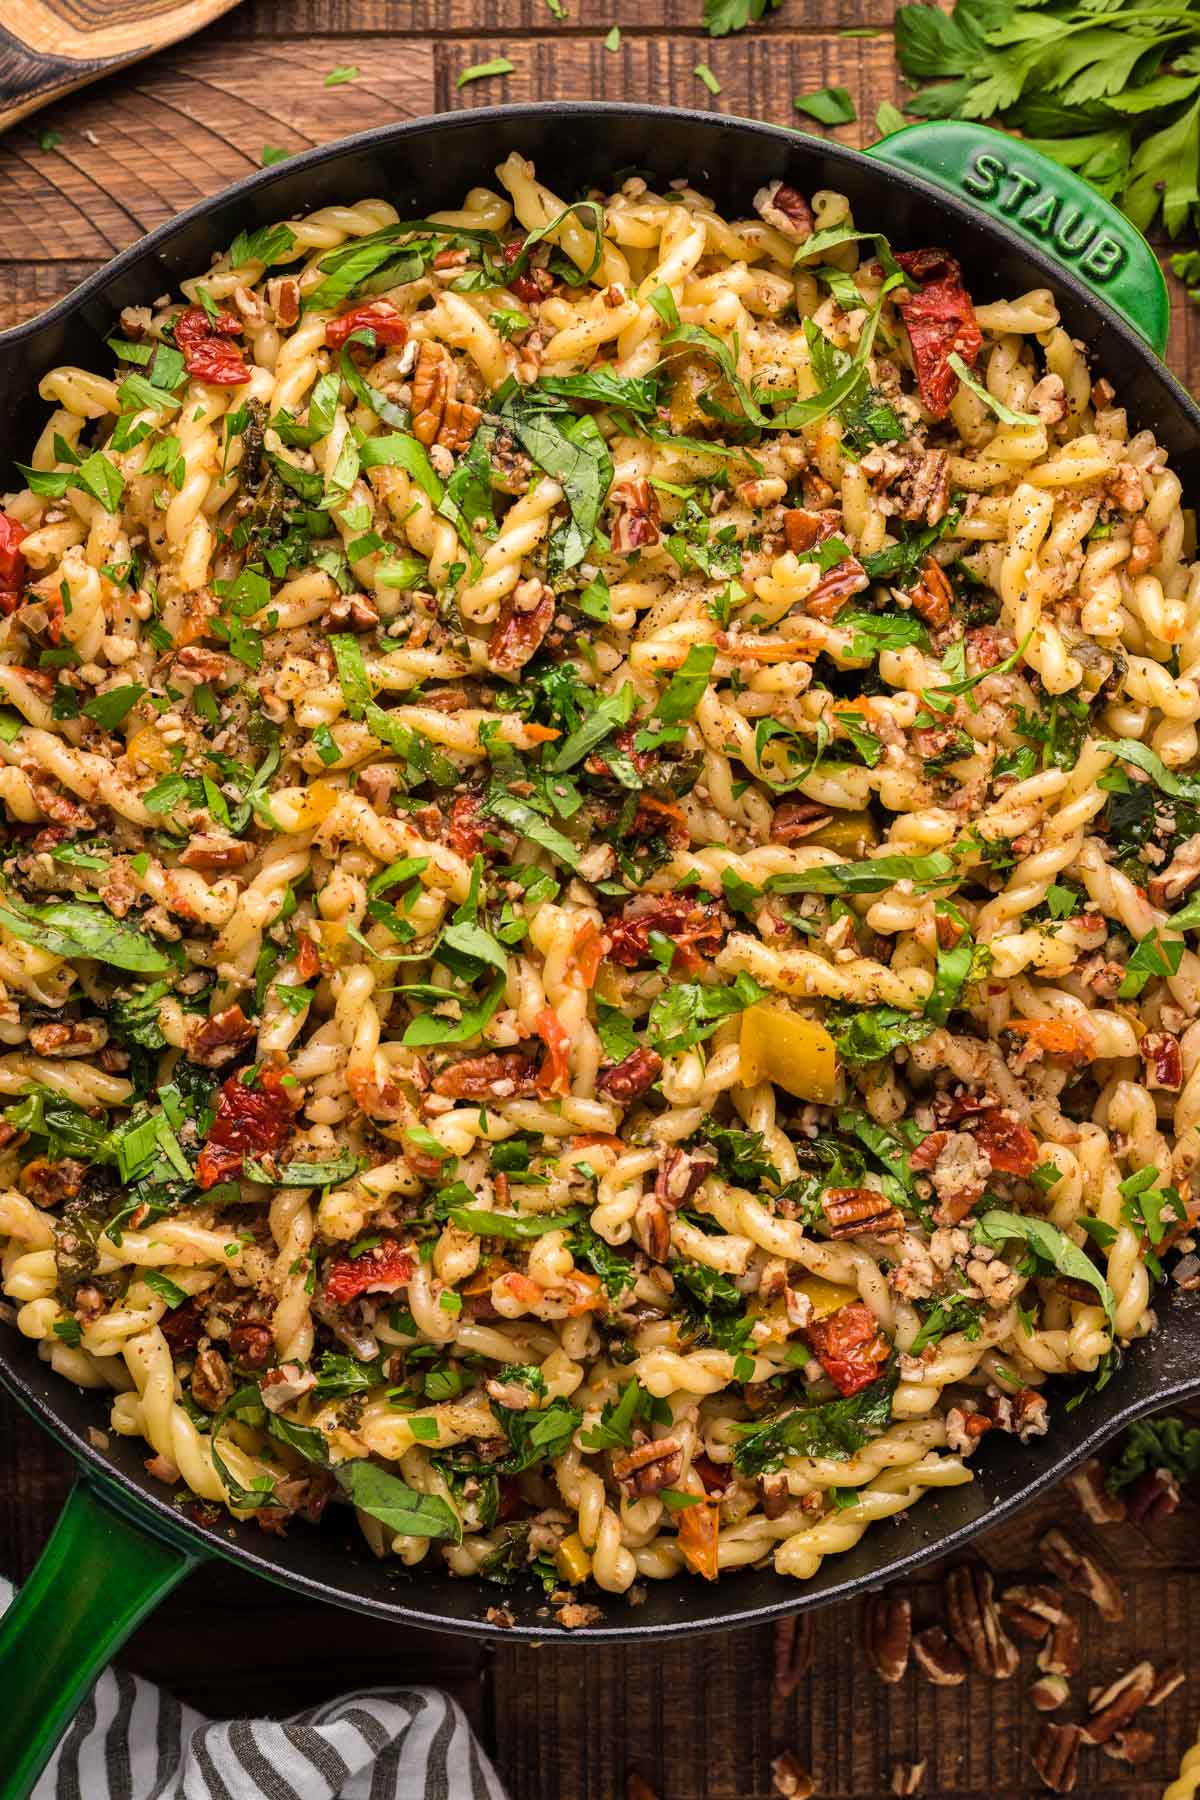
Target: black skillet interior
{"x":431,"y":164}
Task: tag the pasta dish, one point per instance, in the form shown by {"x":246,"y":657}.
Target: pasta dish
{"x":600,"y":827}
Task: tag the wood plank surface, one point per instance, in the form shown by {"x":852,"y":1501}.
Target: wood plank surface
{"x":696,"y":1720}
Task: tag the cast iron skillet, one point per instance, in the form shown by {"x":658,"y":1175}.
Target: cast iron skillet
{"x":1016,"y":221}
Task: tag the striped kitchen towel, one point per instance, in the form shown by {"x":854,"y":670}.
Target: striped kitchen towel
{"x":130,"y":1741}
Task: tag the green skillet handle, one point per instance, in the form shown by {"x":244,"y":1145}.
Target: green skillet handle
{"x":95,"y":1581}
{"x":1049,"y":206}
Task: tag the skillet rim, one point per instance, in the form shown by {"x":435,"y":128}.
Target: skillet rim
{"x":400,"y":1601}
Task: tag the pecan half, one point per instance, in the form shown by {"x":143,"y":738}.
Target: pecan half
{"x":215,"y":851}
{"x":212,"y":1384}
{"x":795,"y":819}
{"x":1056,"y":1757}
{"x":1084,"y":1573}
{"x":803,"y":529}
{"x":932,"y":597}
{"x":974,"y":1621}
{"x":1090,"y":1488}
{"x":834,"y":589}
{"x":1117,"y":1705}
{"x":525,"y":616}
{"x":437,"y":416}
{"x":1155,"y":1495}
{"x":352,"y":612}
{"x":1171,"y":1676}
{"x":887,"y":1634}
{"x":1031,"y":1610}
{"x":1062,"y":1654}
{"x":653,"y":1465}
{"x":939,"y":1660}
{"x":1049,"y":1692}
{"x":652,"y":1228}
{"x":629,"y":1079}
{"x":793,"y":1654}
{"x":851,"y":1210}
{"x":498,"y":1075}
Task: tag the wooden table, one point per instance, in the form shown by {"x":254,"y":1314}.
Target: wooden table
{"x":697,"y":1719}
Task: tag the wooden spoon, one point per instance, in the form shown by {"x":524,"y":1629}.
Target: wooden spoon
{"x":50,"y":47}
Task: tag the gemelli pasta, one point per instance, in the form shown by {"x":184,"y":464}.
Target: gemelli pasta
{"x":593,"y":921}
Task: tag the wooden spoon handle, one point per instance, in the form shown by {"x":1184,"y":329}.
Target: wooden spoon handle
{"x":49,"y":47}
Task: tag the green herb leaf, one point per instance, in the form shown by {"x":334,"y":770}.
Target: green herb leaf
{"x":73,"y":928}
{"x":828,"y":106}
{"x":401,"y":1508}
{"x":499,"y":65}
{"x":1049,"y":1245}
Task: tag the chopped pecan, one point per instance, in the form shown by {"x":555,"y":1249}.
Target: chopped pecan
{"x":1163,"y":1061}
{"x":831,"y":593}
{"x":652,"y":1228}
{"x":1056,"y":1756}
{"x":283,"y":296}
{"x":1084,"y":1573}
{"x":790,"y":1778}
{"x":1031,"y":1610}
{"x":251,"y":1344}
{"x":212,"y":1042}
{"x":1180,"y":874}
{"x":696,"y":927}
{"x":50,"y":1183}
{"x":637,"y":516}
{"x":1062,"y":1653}
{"x":853,"y":1210}
{"x":629,"y":1079}
{"x":803,"y":529}
{"x":76,"y":1037}
{"x":653,"y":1465}
{"x":907,"y":1777}
{"x":1117,"y":1705}
{"x":796,"y":819}
{"x":938,"y":1658}
{"x":466,"y":824}
{"x":215,"y":851}
{"x":498,"y":1075}
{"x":1049,"y":1692}
{"x":793,"y":1654}
{"x":212,"y":1384}
{"x":1146,"y":549}
{"x":680,"y":1174}
{"x":933,"y":596}
{"x":923,"y":488}
{"x":525,"y":616}
{"x":352,"y":612}
{"x":974,"y":1621}
{"x":887,"y":1634}
{"x":1134,"y":1746}
{"x":785,"y":208}
{"x":1090,"y":1488}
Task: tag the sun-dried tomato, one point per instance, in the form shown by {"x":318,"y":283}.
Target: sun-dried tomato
{"x":1005,"y":1142}
{"x":695,"y":927}
{"x":13,"y":570}
{"x":379,"y":316}
{"x":200,"y":341}
{"x":699,"y":1533}
{"x":466,"y":824}
{"x":656,"y":817}
{"x":587,"y":953}
{"x":249,"y":1120}
{"x":379,"y":1270}
{"x":308,"y":958}
{"x":940,"y":321}
{"x":531,"y":284}
{"x":849,"y":1347}
{"x":183,"y":1326}
{"x":554,"y":1076}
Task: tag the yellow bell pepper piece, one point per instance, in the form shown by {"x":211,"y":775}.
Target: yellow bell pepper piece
{"x":797,"y":1054}
{"x":826,"y":1296}
{"x":572,"y":1560}
{"x":851,"y":834}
